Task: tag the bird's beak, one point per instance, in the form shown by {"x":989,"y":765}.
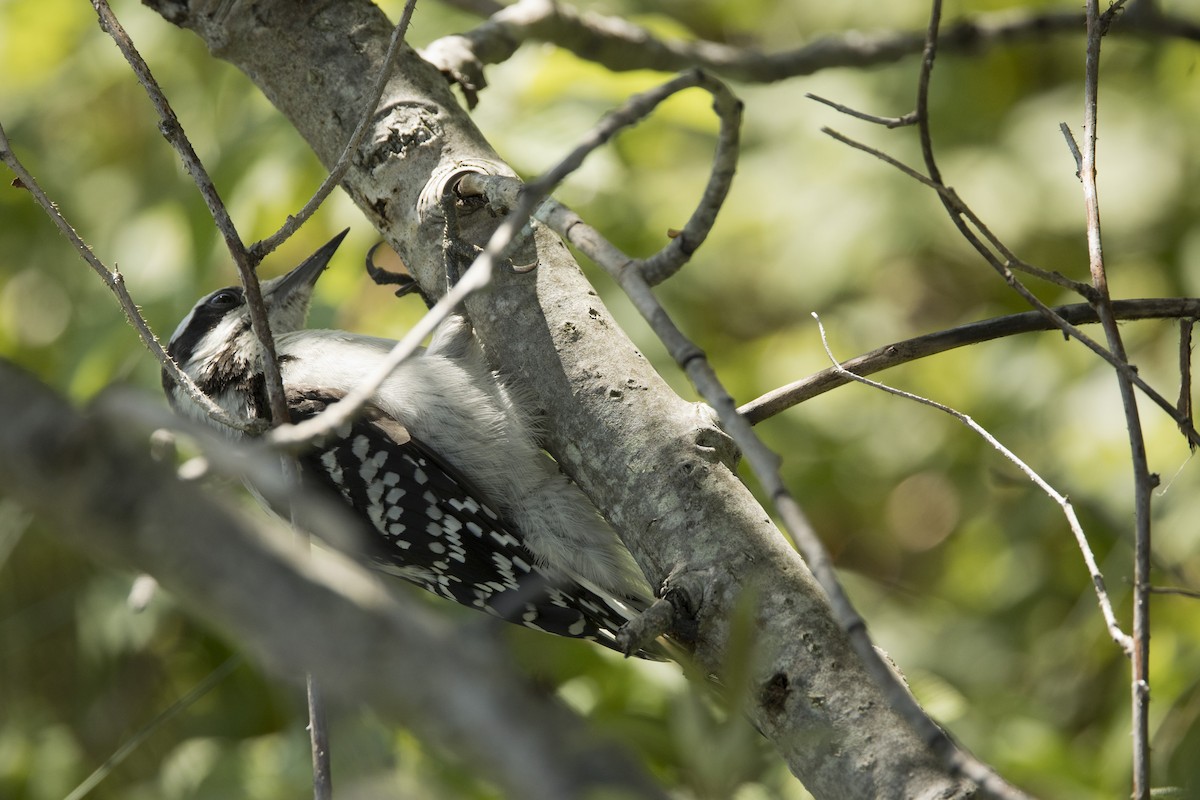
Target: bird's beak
{"x":305,"y":276}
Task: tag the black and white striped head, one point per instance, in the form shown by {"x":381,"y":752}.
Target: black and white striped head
{"x":216,"y":347}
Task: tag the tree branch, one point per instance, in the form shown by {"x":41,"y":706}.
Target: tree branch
{"x":903,"y":352}
{"x":103,"y":495}
{"x":621,"y":46}
{"x":1143,"y":482}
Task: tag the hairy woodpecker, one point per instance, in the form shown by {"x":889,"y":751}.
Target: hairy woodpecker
{"x":443,"y":466}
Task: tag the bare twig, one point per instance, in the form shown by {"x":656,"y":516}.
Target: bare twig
{"x":728,"y":108}
{"x":955,"y":205}
{"x":888,"y":122}
{"x":903,"y":352}
{"x":507,"y":193}
{"x":116,"y":284}
{"x":1192,"y":593}
{"x":182,"y":704}
{"x":1123,"y":640}
{"x":260,"y":249}
{"x":1143,"y":480}
{"x":174,"y":133}
{"x":318,"y":737}
{"x":1072,"y":146}
{"x":961,"y":214}
{"x":477,"y":276}
{"x":1184,"y":404}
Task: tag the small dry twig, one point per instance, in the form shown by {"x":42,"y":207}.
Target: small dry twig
{"x":116,"y":283}
{"x":888,"y":122}
{"x":1194,"y":594}
{"x":1144,"y":481}
{"x":508,"y":193}
{"x":174,"y":133}
{"x":1073,"y":146}
{"x":1123,"y":640}
{"x":260,"y":249}
{"x":1184,"y":404}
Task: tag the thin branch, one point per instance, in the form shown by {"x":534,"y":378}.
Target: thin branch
{"x":1192,"y":593}
{"x":503,"y":192}
{"x":622,"y":46}
{"x":173,"y":131}
{"x":260,"y":249}
{"x":1144,"y":482}
{"x":1007,"y":260}
{"x":1123,"y":640}
{"x":903,"y":352}
{"x":960,"y":214}
{"x":295,"y":436}
{"x":132,"y":743}
{"x":1184,"y":404}
{"x":728,"y":109}
{"x":318,"y":736}
{"x":1073,"y":146}
{"x":116,"y":284}
{"x":888,"y":122}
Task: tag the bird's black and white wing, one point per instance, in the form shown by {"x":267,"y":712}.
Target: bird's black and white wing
{"x":431,"y":527}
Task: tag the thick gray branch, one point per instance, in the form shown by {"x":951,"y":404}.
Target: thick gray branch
{"x":640,"y":451}
{"x":103,"y":494}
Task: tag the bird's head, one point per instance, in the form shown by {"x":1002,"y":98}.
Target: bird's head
{"x":215,"y":346}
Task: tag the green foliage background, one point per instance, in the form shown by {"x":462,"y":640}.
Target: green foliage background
{"x":967,"y":573}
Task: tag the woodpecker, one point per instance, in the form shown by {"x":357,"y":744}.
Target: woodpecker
{"x":442,"y":467}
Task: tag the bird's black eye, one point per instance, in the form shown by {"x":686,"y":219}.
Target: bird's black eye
{"x":225,"y":300}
